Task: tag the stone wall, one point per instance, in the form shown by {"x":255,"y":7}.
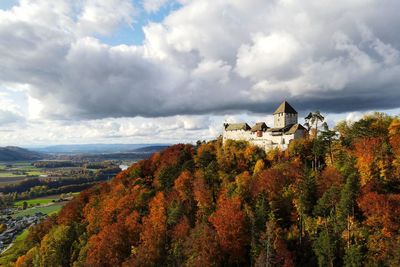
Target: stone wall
{"x":283,"y":119}
{"x":267,"y":141}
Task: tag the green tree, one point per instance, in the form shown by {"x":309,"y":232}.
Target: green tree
{"x":55,"y":248}
{"x":312,"y":120}
{"x":353,"y":256}
{"x":328,"y":137}
{"x":324,"y":248}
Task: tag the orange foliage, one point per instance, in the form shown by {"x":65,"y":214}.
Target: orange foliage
{"x":201,"y":248}
{"x":202,"y":194}
{"x":229,"y":222}
{"x":273,"y":181}
{"x":181,"y":230}
{"x":366,"y":150}
{"x":133,"y":228}
{"x":109,"y":247}
{"x":21,"y":262}
{"x":153,"y":235}
{"x":329,"y":177}
{"x":243,"y":184}
{"x":183,"y":186}
{"x":382,"y":211}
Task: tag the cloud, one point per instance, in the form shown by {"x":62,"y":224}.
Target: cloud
{"x":9,"y":111}
{"x":154,"y":5}
{"x":7,"y":117}
{"x":103,"y":16}
{"x":174,"y":129}
{"x":207,"y":57}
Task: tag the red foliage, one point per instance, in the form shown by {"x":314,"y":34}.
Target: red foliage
{"x":283,"y":256}
{"x":202,"y":248}
{"x":133,"y":228}
{"x":153,"y":235}
{"x":201,"y":193}
{"x":109,"y":247}
{"x":329,"y":177}
{"x":273,"y":181}
{"x":382,"y":211}
{"x":183,"y":186}
{"x":366,"y":149}
{"x":73,"y":210}
{"x":229,"y":222}
{"x":181,"y":230}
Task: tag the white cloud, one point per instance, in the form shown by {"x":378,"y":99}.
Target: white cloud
{"x":103,"y":16}
{"x":268,"y":57}
{"x":154,"y":5}
{"x":206,"y":57}
{"x":10,"y":112}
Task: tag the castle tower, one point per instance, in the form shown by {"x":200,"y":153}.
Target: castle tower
{"x":285,"y":115}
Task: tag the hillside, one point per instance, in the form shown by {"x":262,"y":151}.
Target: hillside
{"x":326,"y":201}
{"x":150,"y":149}
{"x":93,"y":148}
{"x":13,"y":153}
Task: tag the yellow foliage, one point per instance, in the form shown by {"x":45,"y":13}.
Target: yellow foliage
{"x":259,"y":166}
{"x":394,"y":128}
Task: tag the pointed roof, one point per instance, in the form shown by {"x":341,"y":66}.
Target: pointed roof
{"x":237,"y":126}
{"x":259,"y":126}
{"x":285,"y":107}
{"x":295,"y":128}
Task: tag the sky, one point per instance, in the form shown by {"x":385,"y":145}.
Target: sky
{"x":168,"y":71}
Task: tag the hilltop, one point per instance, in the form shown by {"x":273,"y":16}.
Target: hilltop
{"x":330,"y":200}
{"x":95,"y":148}
{"x":13,"y":153}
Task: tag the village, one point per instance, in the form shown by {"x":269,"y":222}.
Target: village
{"x":15,"y":226}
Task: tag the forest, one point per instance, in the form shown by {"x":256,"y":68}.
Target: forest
{"x":330,"y":199}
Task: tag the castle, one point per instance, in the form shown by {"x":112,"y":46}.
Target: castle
{"x":286,"y":128}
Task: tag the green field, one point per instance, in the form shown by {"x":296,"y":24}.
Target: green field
{"x":18,"y":172}
{"x":35,"y":201}
{"x":51,"y":209}
{"x":10,"y":174}
{"x":35,"y":173}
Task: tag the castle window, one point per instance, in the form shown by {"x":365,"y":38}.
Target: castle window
{"x":259,"y":133}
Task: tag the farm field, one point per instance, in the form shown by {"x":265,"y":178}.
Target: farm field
{"x":10,"y":180}
{"x":11,"y":173}
{"x":36,"y":201}
{"x":49,"y":209}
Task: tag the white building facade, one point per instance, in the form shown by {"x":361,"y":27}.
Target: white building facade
{"x":286,"y":128}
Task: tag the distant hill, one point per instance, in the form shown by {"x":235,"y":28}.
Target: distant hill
{"x":150,"y":149}
{"x":13,"y":153}
{"x":95,"y":148}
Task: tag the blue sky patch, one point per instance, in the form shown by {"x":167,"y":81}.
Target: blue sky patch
{"x":7,"y":4}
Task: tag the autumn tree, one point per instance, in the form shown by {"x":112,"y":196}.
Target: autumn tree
{"x":201,"y":247}
{"x":55,"y":248}
{"x":151,"y":249}
{"x":110,"y":247}
{"x":230,"y":224}
{"x":366,"y":150}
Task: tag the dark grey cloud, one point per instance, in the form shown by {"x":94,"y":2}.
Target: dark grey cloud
{"x":210,"y":57}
